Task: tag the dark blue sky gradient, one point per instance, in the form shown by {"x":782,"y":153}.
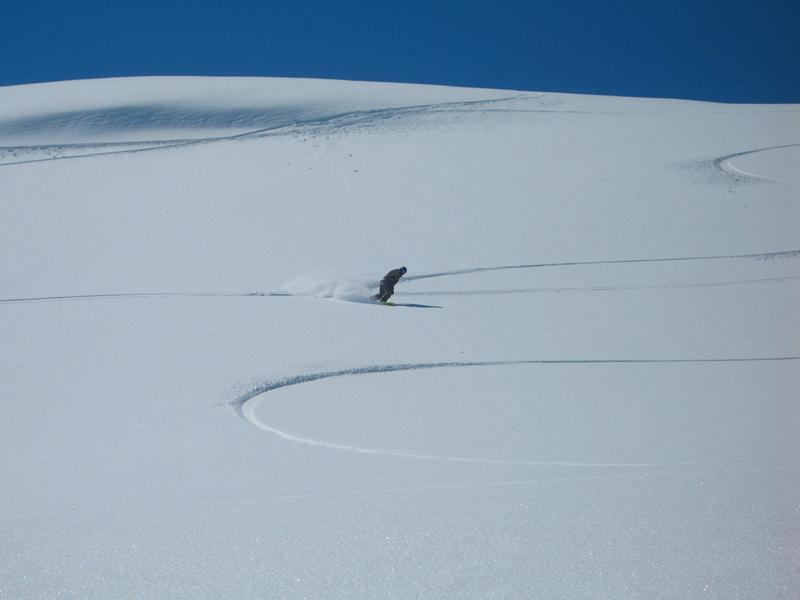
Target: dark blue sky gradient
{"x":723,"y":50}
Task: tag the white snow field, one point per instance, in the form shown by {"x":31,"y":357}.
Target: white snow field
{"x":588,"y":387}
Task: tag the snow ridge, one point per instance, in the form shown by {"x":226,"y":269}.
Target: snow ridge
{"x":281,"y":120}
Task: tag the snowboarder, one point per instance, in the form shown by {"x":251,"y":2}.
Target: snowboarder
{"x":387,"y":284}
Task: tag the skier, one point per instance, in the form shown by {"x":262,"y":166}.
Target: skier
{"x":387,"y":284}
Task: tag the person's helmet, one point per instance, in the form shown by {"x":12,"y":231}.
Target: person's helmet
{"x":403,"y":269}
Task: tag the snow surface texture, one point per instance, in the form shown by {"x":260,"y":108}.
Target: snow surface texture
{"x":588,"y":387}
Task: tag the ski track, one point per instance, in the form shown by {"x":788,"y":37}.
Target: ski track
{"x":757,"y":256}
{"x":604,"y":288}
{"x":147,"y":295}
{"x":245,"y":405}
{"x":335,"y":121}
{"x":722,"y":170}
{"x":765,"y":256}
{"x":724,"y":164}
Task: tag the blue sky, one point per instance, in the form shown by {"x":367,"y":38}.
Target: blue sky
{"x":724,"y":50}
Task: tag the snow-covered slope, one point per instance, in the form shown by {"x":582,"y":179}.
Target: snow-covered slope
{"x":587,"y":389}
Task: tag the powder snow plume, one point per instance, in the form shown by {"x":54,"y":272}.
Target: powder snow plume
{"x":331,"y":285}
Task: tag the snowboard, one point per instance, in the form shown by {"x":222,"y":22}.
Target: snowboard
{"x":376,"y":301}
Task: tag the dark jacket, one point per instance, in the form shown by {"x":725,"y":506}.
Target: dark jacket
{"x":392,"y":277}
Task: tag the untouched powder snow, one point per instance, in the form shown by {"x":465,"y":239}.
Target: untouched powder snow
{"x":587,"y":387}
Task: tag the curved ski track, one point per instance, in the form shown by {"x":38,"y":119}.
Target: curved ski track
{"x":723,"y":163}
{"x":246,"y":404}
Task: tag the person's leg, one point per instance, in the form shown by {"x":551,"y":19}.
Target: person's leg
{"x":386,"y":292}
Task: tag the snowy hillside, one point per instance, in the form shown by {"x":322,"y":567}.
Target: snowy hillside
{"x":587,"y":388}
